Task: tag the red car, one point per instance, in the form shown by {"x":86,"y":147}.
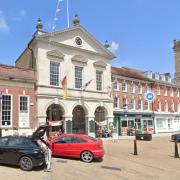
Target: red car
{"x":78,"y":146}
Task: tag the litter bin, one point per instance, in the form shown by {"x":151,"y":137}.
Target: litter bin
{"x":143,"y":137}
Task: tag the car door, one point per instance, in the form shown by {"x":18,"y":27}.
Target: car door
{"x":79,"y":144}
{"x":3,"y":145}
{"x":14,"y":148}
{"x":62,"y":146}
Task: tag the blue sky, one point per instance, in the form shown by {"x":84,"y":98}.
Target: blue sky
{"x":141,"y":32}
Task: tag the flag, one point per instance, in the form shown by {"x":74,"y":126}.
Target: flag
{"x":64,"y":86}
{"x":86,"y":84}
{"x":109,"y":91}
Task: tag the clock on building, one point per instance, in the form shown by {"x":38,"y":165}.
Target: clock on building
{"x":78,"y":41}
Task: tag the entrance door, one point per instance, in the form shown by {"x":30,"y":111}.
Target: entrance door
{"x":78,"y":121}
{"x":55,"y":119}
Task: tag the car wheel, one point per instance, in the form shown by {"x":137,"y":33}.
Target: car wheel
{"x":26,"y":163}
{"x":86,"y":156}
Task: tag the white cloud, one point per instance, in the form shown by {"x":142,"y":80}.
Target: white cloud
{"x":3,"y":23}
{"x":114,"y":46}
{"x":23,"y":12}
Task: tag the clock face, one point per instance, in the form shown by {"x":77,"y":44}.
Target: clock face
{"x":78,"y":41}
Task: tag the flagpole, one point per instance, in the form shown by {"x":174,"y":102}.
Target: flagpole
{"x":67,"y":13}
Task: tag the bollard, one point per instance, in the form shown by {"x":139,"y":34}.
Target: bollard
{"x":176,"y":155}
{"x":135,"y":148}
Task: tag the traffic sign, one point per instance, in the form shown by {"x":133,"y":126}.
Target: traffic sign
{"x":149,"y":96}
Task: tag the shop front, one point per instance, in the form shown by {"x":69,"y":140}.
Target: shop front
{"x":126,"y":123}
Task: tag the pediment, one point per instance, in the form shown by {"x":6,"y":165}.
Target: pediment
{"x":55,"y":55}
{"x":100,"y":64}
{"x":79,"y":59}
{"x":69,"y":36}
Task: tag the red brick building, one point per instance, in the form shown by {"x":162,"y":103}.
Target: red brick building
{"x":17,"y":100}
{"x":131,"y":107}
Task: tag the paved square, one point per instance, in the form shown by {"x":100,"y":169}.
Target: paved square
{"x":155,"y":160}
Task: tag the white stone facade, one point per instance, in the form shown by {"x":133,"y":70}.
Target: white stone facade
{"x":60,"y":47}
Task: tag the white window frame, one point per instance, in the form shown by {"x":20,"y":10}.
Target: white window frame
{"x":78,"y":78}
{"x":147,"y":88}
{"x":170,"y":123}
{"x":20,"y":111}
{"x":11,"y":118}
{"x":132,"y":87}
{"x":97,"y":85}
{"x":57,"y":74}
{"x":177,"y":92}
{"x":159,"y":105}
{"x":146,"y":106}
{"x":166,"y":106}
{"x":178,"y":107}
{"x":139,"y":100}
{"x":124,"y":84}
{"x":165,"y":91}
{"x":132,"y":104}
{"x":160,"y":123}
{"x":158,"y":90}
{"x":116,"y":85}
{"x":171,"y":91}
{"x":139,"y":88}
{"x":117,"y":102}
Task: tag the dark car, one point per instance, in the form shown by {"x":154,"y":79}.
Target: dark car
{"x":175,"y":137}
{"x":22,"y":151}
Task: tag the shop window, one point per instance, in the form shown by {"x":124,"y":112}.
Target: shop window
{"x":170,"y":124}
{"x":124,"y":123}
{"x":161,"y":123}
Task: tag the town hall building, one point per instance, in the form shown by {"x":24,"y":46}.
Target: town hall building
{"x":73,"y":72}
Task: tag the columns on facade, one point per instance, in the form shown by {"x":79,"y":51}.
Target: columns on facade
{"x":68,"y":124}
{"x":90,"y":126}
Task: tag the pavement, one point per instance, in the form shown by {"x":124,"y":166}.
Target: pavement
{"x":155,"y":161}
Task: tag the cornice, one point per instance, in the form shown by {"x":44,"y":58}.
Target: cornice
{"x":73,"y":48}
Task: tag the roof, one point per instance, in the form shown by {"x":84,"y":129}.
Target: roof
{"x":129,"y":72}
